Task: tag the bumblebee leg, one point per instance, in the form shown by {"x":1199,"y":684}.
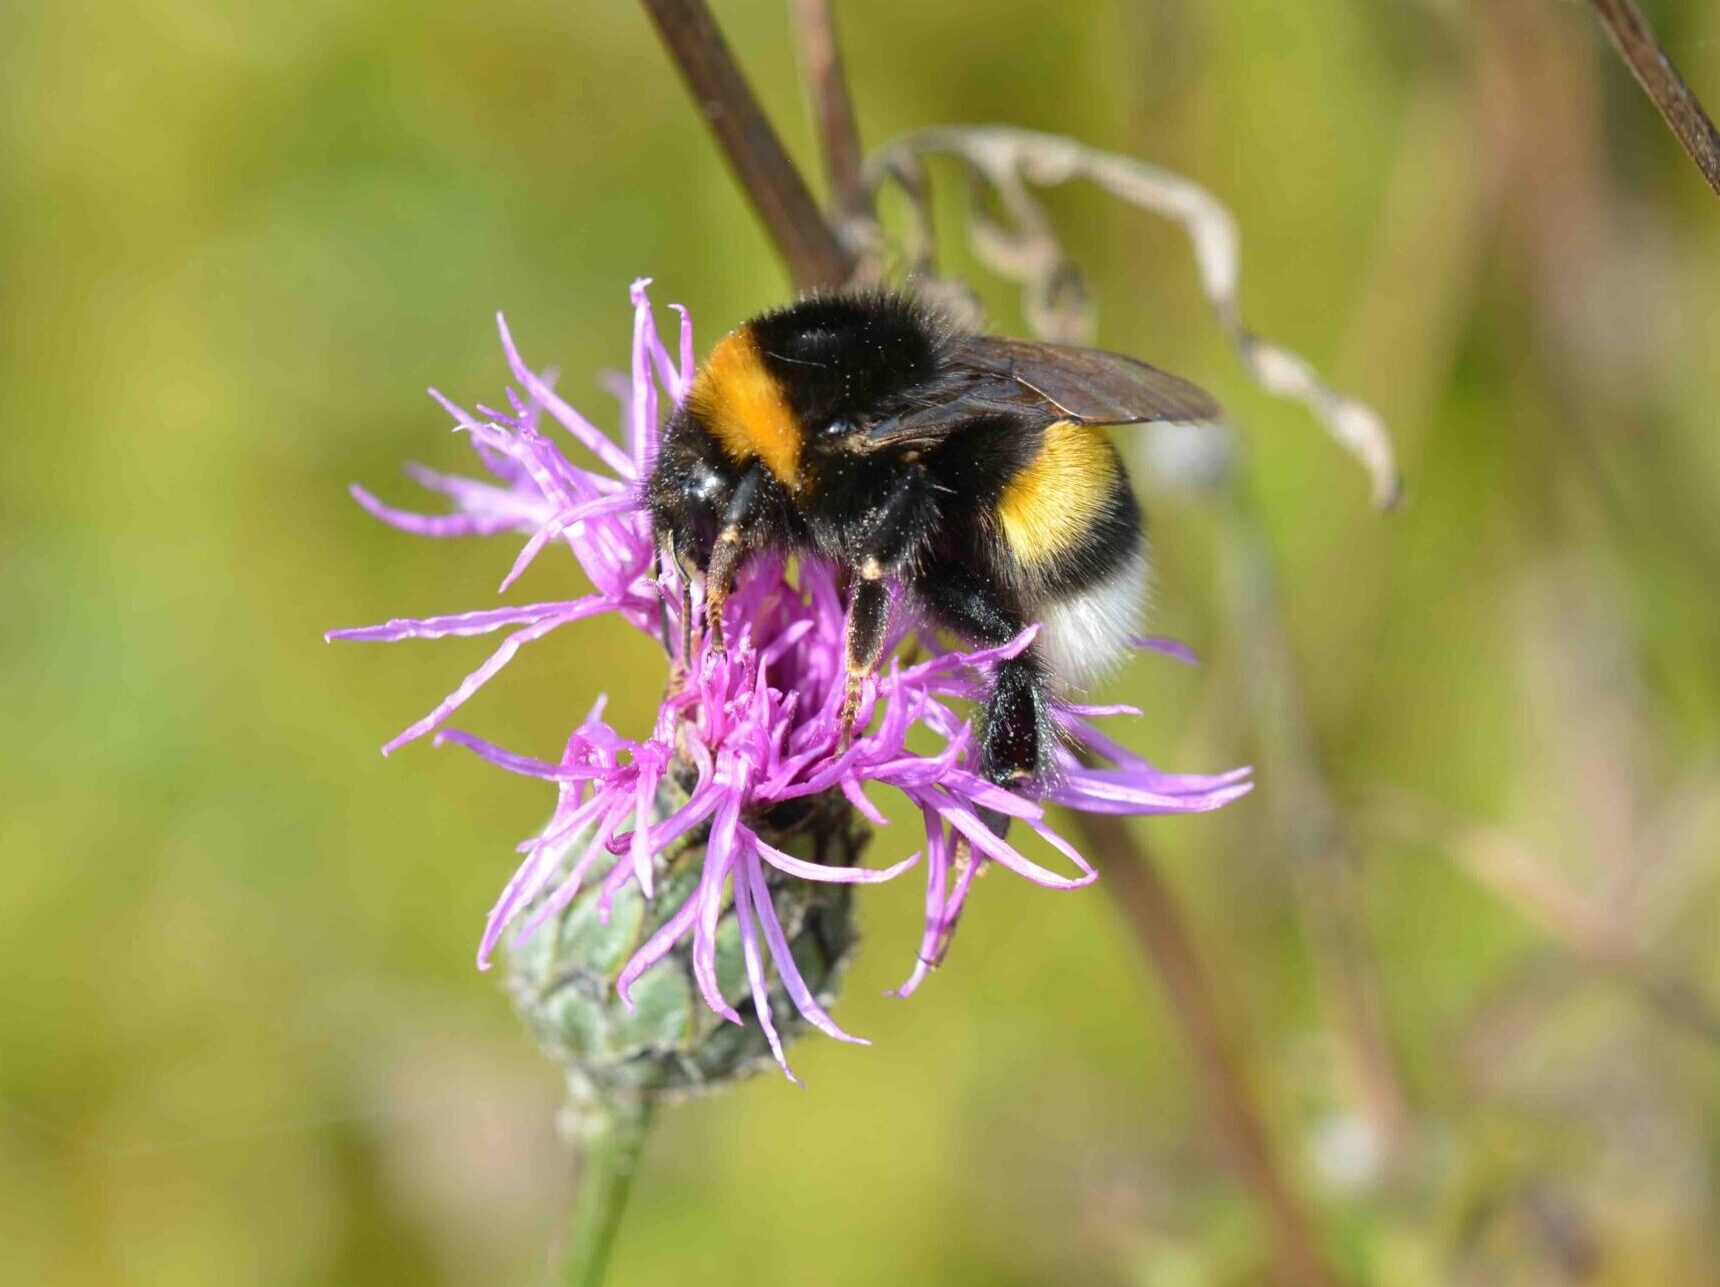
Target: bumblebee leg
{"x":1013,"y":741}
{"x":668,"y":556}
{"x":867,"y":625}
{"x":1016,"y":740}
{"x":726,"y":555}
{"x":664,"y":632}
{"x":719,"y":576}
{"x":888,"y":542}
{"x":686,"y":619}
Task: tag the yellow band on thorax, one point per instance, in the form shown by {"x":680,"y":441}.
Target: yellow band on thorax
{"x":742,"y":404}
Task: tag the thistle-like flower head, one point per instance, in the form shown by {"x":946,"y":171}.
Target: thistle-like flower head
{"x":746,"y":739}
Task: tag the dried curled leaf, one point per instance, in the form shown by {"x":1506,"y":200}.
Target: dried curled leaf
{"x":1018,"y":242}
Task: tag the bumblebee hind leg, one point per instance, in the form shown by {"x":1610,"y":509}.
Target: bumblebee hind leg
{"x":1016,"y":740}
{"x":1016,"y":736}
{"x":1015,"y":731}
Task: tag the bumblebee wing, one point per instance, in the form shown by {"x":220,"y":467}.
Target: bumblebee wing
{"x":1087,"y":386}
{"x":991,"y":374}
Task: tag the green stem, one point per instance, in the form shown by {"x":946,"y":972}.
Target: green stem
{"x":611,"y":1136}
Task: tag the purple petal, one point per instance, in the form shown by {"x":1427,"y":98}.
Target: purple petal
{"x":783,"y":957}
{"x":1001,"y":852}
{"x":574,"y":881}
{"x":1169,"y":647}
{"x":640,"y":857}
{"x":755,"y":975}
{"x":823,"y":872}
{"x":440,"y":525}
{"x":680,"y":386}
{"x":1120,"y":791}
{"x":588,"y":434}
{"x":937,"y":880}
{"x":556,"y":525}
{"x":484,"y":673}
{"x":644,"y":402}
{"x":953,"y":662}
{"x":497,"y":463}
{"x":459,"y":623}
{"x":524,"y":765}
{"x":656,"y":948}
{"x":864,"y":807}
{"x":702,"y":805}
{"x":531,"y":876}
{"x":952,"y":909}
{"x":477,"y":497}
{"x":719,"y":858}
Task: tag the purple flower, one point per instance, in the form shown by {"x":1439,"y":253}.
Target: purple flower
{"x":758,"y":725}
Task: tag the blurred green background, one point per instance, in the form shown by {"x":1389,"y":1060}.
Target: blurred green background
{"x":1465,"y":931}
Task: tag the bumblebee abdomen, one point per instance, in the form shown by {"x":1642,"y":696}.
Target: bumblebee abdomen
{"x":1051,"y":507}
{"x":1071,"y":529}
{"x":1086,"y":633}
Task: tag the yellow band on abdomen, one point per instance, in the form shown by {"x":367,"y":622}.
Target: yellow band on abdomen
{"x":1048,"y":507}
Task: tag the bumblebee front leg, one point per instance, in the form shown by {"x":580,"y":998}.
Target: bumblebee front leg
{"x":686,"y":619}
{"x":719,"y":576}
{"x":727,"y":552}
{"x":668,"y":558}
{"x":865,"y":630}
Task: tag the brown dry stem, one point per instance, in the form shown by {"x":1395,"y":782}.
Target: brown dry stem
{"x":1660,"y":80}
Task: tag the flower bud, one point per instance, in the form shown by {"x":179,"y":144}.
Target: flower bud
{"x":663,"y":1041}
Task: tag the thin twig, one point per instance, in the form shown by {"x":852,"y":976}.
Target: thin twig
{"x":762,"y":167}
{"x":1159,"y":930}
{"x":832,"y":109}
{"x":1008,"y":159}
{"x":1636,"y":44}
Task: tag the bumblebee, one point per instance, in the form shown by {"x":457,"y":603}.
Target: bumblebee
{"x":971,"y":469}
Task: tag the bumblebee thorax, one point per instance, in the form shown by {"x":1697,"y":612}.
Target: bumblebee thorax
{"x":804,"y":379}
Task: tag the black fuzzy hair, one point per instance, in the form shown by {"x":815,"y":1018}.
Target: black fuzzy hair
{"x":848,"y":355}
